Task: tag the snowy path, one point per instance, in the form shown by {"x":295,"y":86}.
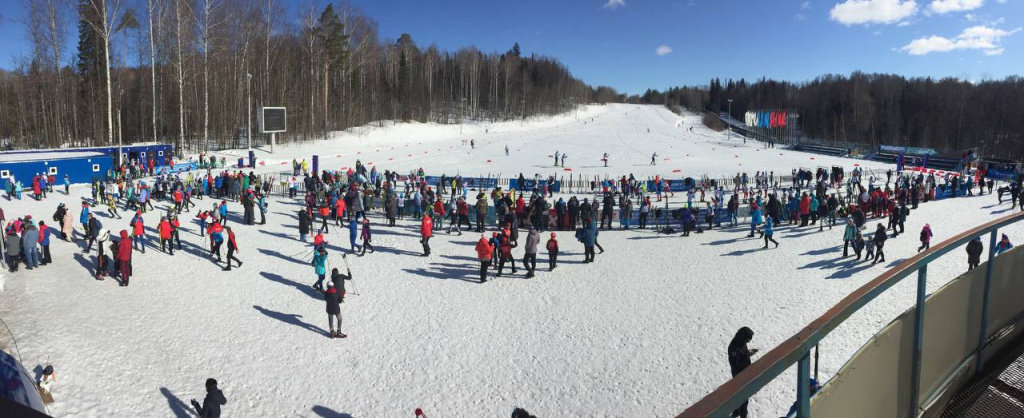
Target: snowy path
{"x":642,"y":332}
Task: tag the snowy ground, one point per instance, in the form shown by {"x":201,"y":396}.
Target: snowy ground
{"x":642,"y":332}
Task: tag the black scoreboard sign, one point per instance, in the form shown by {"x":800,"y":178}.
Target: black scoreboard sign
{"x":273,"y":119}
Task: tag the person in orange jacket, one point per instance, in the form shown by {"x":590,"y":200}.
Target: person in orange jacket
{"x":426,"y":231}
{"x":164,"y":227}
{"x":325,"y":212}
{"x":484,"y":253}
{"x":339,"y":211}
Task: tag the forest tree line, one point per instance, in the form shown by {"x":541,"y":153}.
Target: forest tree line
{"x":946,"y":114}
{"x":182,"y":71}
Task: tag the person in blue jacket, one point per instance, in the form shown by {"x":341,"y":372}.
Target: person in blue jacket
{"x":755,"y":219}
{"x":588,"y":236}
{"x":769,"y":230}
{"x":84,"y":217}
{"x":320,"y":268}
{"x":1004,"y":245}
{"x":353,"y":233}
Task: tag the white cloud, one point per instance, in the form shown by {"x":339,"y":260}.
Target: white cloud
{"x":947,"y":6}
{"x":903,"y":23}
{"x":663,"y":50}
{"x":866,"y":12}
{"x":805,"y":5}
{"x":971,"y":17}
{"x":615,"y":4}
{"x":976,"y":37}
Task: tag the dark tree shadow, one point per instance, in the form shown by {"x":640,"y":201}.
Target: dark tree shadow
{"x":325,"y":412}
{"x":179,"y":408}
{"x":308,"y":290}
{"x":291,"y":319}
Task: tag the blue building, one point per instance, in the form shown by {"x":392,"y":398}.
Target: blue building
{"x":161,"y":154}
{"x":79,"y":166}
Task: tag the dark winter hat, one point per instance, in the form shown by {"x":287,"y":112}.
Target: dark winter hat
{"x":211,"y":383}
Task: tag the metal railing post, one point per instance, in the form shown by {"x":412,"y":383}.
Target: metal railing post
{"x":915,"y":376}
{"x":803,"y":389}
{"x":983,"y":335}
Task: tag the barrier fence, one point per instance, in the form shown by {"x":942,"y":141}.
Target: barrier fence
{"x":910,"y":399}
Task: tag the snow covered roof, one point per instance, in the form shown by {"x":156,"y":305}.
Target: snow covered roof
{"x":44,"y":156}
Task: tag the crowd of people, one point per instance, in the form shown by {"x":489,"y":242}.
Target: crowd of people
{"x":346,"y":199}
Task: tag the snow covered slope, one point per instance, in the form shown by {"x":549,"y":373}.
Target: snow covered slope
{"x":617,"y":129}
{"x":641,"y":332}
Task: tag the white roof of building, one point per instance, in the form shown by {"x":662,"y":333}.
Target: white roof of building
{"x":45,"y":156}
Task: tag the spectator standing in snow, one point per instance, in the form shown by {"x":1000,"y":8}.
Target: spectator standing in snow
{"x":769,"y":231}
{"x":426,"y":231}
{"x":124,"y":258}
{"x":232,"y":249}
{"x":552,"y":247}
{"x":530,"y":258}
{"x":338,"y":284}
{"x":739,"y":360}
{"x":926,"y":238}
{"x":879,"y":240}
{"x":212,"y":403}
{"x":974,"y":249}
{"x":484,"y":252}
{"x":320,"y":268}
{"x":365,"y":237}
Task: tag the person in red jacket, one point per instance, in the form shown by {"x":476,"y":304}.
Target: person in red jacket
{"x":521,"y":210}
{"x":552,"y":252}
{"x":426,"y":231}
{"x":439,"y":212}
{"x":232,"y":248}
{"x":484,"y":253}
{"x":178,"y":198}
{"x":339,"y":211}
{"x":325,"y":212}
{"x":175,"y":236}
{"x":124,"y":258}
{"x":164,"y":228}
{"x":805,"y":209}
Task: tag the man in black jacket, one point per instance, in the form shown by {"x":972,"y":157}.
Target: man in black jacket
{"x":974,"y":249}
{"x":739,"y":360}
{"x":334,"y":295}
{"x":606,"y":214}
{"x":214,"y":399}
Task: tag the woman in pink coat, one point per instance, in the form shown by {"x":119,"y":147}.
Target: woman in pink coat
{"x":69,"y":225}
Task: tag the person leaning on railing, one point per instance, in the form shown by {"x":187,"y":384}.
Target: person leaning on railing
{"x":739,"y":360}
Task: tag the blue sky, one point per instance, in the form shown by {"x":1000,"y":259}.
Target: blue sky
{"x":635,"y":44}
